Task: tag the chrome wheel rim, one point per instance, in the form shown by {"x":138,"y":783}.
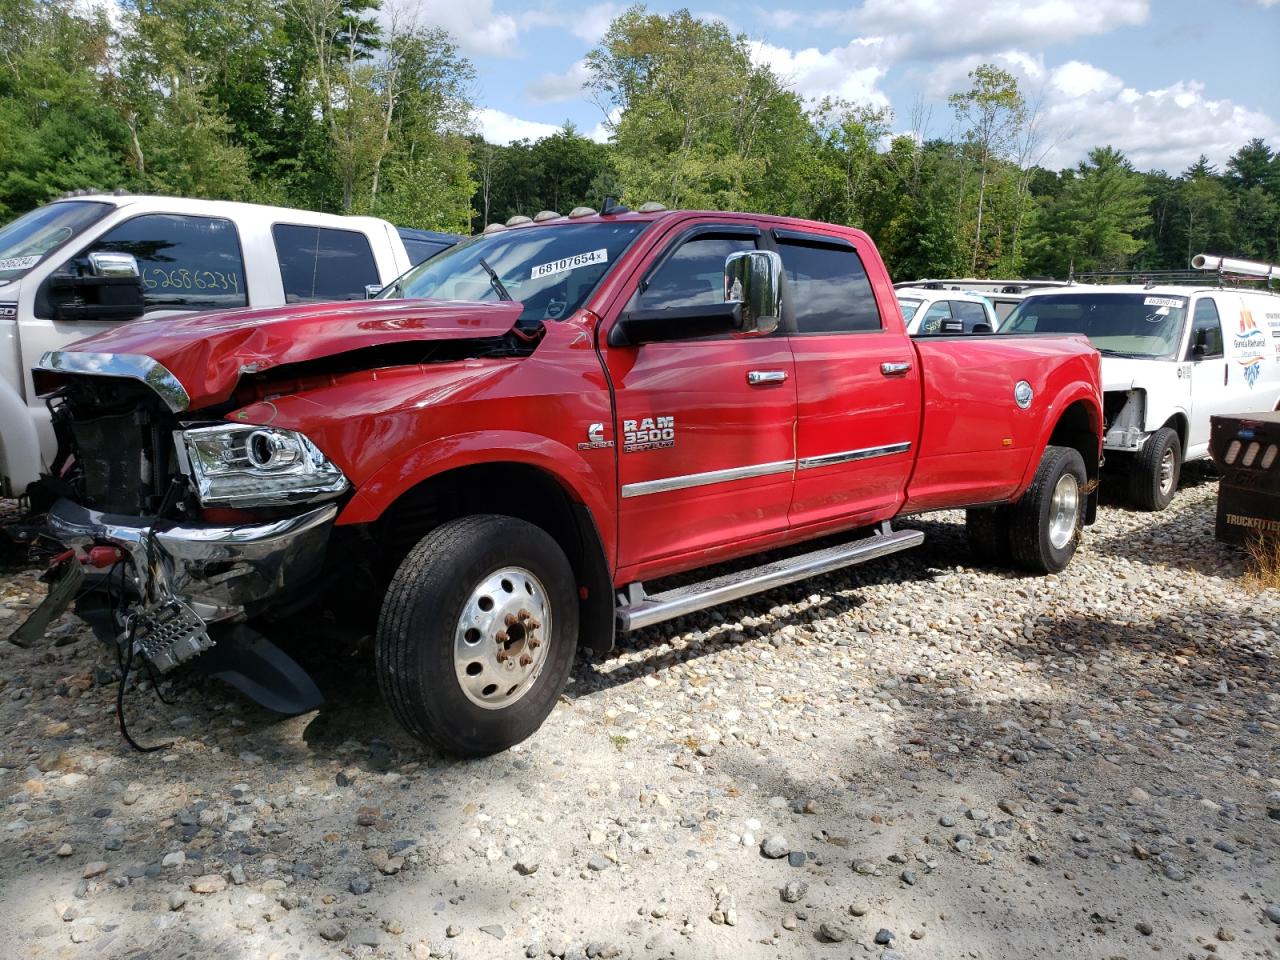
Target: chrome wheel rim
{"x":500,"y":642}
{"x":1064,"y":510}
{"x":1167,"y":467}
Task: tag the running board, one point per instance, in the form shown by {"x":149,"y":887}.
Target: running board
{"x":636,"y":610}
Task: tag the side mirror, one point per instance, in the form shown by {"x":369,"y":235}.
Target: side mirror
{"x":371,"y":290}
{"x":1201,"y":345}
{"x":109,"y":289}
{"x":981,"y":328}
{"x":105,"y":264}
{"x":753,"y":278}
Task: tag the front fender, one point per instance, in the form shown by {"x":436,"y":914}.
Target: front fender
{"x":396,"y":477}
{"x":20,"y":461}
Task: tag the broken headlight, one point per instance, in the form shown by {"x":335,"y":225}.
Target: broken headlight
{"x":246,"y":466}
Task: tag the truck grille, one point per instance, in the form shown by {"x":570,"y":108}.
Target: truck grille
{"x":113,"y":445}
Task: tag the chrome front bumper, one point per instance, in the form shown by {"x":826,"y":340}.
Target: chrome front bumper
{"x":217,"y":570}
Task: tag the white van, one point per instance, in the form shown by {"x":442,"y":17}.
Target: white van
{"x":1172,"y":357}
{"x":931,"y":312}
{"x":75,"y":266}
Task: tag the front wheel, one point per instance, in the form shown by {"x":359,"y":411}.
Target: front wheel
{"x":1155,"y":471}
{"x":1045,"y":524}
{"x":477,"y":634}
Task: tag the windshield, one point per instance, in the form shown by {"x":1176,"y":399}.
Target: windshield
{"x":1118,"y":324}
{"x":25,"y":241}
{"x":551,"y":270}
{"x":909,"y":307}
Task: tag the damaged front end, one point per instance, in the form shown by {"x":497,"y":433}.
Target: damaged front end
{"x":184,"y":526}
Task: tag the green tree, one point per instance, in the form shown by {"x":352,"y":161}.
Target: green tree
{"x":993,"y":113}
{"x":699,"y":124}
{"x":1095,"y":223}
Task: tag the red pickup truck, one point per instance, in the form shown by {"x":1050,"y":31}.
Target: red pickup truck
{"x":509,"y":452}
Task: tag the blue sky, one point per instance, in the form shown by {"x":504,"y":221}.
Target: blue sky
{"x":1162,"y":80}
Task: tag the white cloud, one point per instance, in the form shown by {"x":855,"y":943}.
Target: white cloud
{"x":1266,"y":4}
{"x":851,"y":72}
{"x":588,"y":25}
{"x":1164,"y":129}
{"x":952,"y":76}
{"x":556,"y":87}
{"x":474,"y":25}
{"x":603,"y":130}
{"x":496,"y":126}
{"x":917,"y":29}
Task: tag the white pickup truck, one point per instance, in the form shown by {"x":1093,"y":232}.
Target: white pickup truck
{"x":73,"y":267}
{"x":1172,"y":357}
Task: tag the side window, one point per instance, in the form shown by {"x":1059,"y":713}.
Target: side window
{"x":829,"y":289}
{"x":318,"y":263}
{"x":186,"y":263}
{"x":1205,"y":318}
{"x":969,"y":313}
{"x":693,"y":276}
{"x":935,"y":317}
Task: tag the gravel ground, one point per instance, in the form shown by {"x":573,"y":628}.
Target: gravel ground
{"x":914,"y":759}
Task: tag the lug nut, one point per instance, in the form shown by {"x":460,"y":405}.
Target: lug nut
{"x":534,"y":625}
{"x":510,"y":619}
{"x":525,"y":614}
{"x":526,"y":660}
{"x":502,"y":656}
{"x":534,"y":643}
{"x":501,"y":636}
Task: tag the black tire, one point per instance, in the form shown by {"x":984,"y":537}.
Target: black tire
{"x":988,"y":530}
{"x":420,"y":618}
{"x":1148,"y":487}
{"x":1031,"y":519}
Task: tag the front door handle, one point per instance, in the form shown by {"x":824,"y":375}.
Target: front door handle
{"x":758,"y":377}
{"x":895,"y":369}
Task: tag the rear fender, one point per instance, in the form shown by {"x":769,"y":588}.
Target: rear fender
{"x":1086,"y":395}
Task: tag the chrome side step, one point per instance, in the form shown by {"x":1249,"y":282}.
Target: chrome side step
{"x":637,"y":610}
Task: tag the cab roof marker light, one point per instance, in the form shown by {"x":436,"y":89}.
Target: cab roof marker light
{"x":542,"y":216}
{"x":517,"y":220}
{"x":1269,"y":457}
{"x":652,"y":206}
{"x":494,"y":228}
{"x":577,"y":212}
{"x":1251,"y":454}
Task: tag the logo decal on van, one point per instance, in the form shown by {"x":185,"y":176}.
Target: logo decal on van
{"x":1249,"y":340}
{"x":1252,"y":369}
{"x":8,"y":311}
{"x":1247,"y":326}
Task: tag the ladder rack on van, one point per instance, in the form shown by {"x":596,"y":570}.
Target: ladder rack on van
{"x":1228,"y":271}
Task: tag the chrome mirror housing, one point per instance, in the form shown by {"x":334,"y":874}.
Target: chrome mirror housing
{"x":106,"y":264}
{"x":753,"y":278}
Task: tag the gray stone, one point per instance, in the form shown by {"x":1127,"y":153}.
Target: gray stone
{"x":360,"y":886}
{"x":332,"y":930}
{"x":884,"y":936}
{"x":599,"y":862}
{"x":494,"y":930}
{"x":1273,"y":912}
{"x":832,"y":933}
{"x":774,"y":847}
{"x":793,"y":891}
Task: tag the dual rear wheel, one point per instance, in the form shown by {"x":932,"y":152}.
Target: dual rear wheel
{"x":1041,"y":531}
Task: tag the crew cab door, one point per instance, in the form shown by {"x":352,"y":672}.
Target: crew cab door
{"x":1211,"y":391}
{"x":857,"y":385}
{"x":704,"y":428}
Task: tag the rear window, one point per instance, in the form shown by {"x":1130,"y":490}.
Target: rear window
{"x":320,"y":263}
{"x":829,"y":289}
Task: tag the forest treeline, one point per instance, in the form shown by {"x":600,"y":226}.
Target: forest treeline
{"x":338,"y":105}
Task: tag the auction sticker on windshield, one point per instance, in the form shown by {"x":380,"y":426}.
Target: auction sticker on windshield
{"x":19,"y":263}
{"x":569,"y":263}
{"x":1164,"y":302}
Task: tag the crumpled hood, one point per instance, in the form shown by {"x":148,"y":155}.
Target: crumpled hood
{"x":1125,"y":373}
{"x":209,"y":352}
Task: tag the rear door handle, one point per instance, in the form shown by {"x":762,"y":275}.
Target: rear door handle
{"x":758,"y":377}
{"x":895,"y":369}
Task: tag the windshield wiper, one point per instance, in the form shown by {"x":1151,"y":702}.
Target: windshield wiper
{"x":495,"y":281}
{"x":1125,"y":355}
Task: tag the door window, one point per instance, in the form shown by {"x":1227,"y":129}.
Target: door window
{"x":969,"y":313}
{"x":693,"y":276}
{"x":1205,"y":318}
{"x":935,"y":317}
{"x":185,"y":262}
{"x":828,"y":288}
{"x":318,"y":263}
